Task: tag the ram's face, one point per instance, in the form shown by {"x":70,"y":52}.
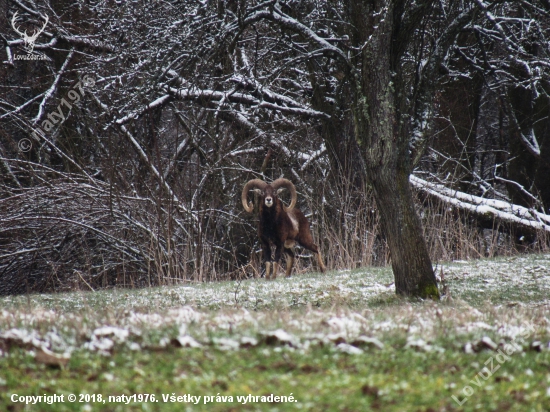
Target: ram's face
{"x":269,"y":196}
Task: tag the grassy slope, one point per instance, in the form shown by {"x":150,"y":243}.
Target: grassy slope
{"x":321,"y":357}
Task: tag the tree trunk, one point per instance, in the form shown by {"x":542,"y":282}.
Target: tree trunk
{"x":382,"y":131}
{"x":522,"y":165}
{"x":410,"y":260}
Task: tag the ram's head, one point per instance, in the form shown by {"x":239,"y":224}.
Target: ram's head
{"x":268,"y":193}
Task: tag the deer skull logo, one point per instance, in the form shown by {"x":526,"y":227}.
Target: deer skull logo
{"x":29,"y":40}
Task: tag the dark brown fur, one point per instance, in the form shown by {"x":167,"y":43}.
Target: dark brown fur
{"x":276,"y":227}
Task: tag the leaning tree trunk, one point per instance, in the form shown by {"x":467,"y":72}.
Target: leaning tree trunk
{"x":382,"y":131}
{"x":410,"y":260}
{"x":388,"y":172}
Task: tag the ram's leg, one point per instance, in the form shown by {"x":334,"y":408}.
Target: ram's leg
{"x":289,"y":261}
{"x":275,"y":269}
{"x":278,"y":253}
{"x":313,"y":247}
{"x":320,"y":262}
{"x":266,"y":255}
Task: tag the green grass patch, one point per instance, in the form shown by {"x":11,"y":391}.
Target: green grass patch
{"x":335,"y":341}
{"x":319,"y":379}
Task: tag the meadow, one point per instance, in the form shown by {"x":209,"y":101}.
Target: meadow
{"x":338,"y":341}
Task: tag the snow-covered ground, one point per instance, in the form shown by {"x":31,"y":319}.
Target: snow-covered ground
{"x":491,"y":302}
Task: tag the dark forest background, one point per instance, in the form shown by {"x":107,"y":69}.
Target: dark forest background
{"x":124,"y":149}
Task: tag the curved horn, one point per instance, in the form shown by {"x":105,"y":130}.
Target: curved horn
{"x":287,"y":184}
{"x":251,"y":184}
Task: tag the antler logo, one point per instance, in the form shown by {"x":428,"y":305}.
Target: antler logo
{"x":29,"y":40}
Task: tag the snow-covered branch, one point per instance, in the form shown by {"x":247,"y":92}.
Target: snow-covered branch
{"x":161,"y":101}
{"x":235,"y":97}
{"x":50,"y":92}
{"x":156,"y":173}
{"x":489,"y":208}
{"x":529,"y":140}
